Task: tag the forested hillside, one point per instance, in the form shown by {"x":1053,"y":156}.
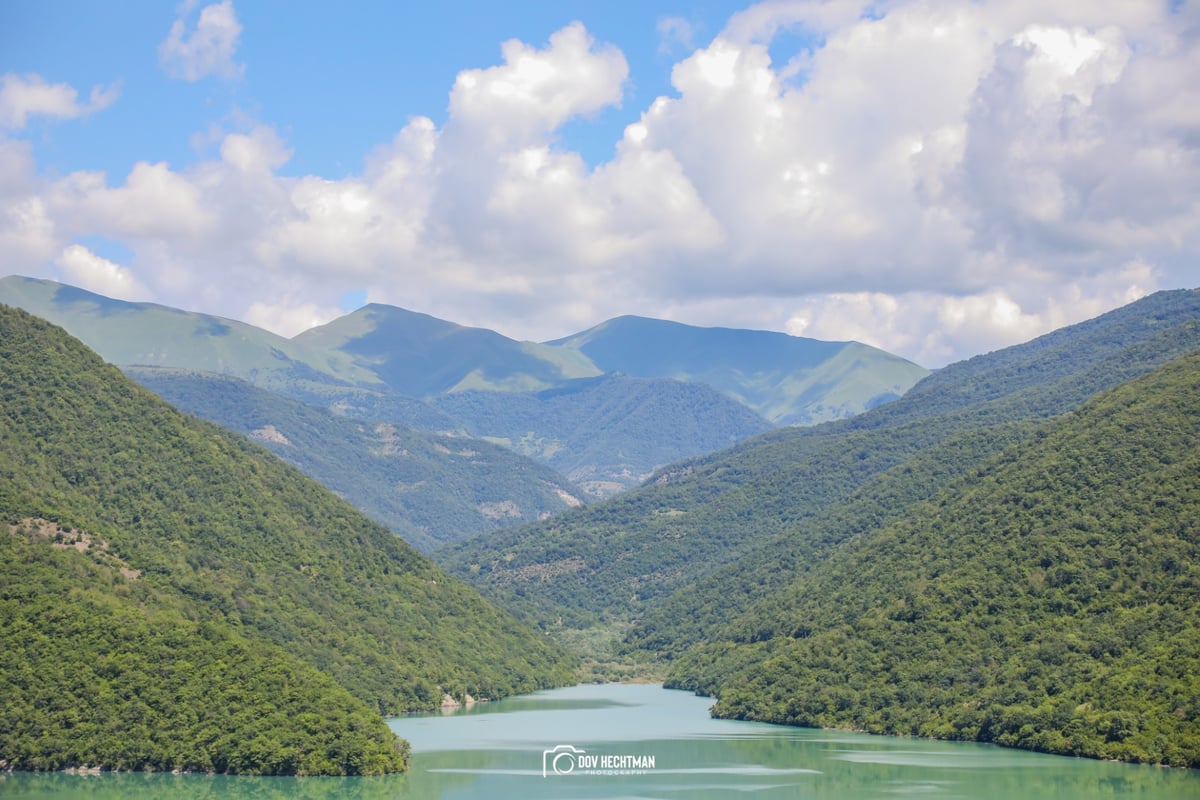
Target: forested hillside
{"x":723,"y":529}
{"x":178,"y":530}
{"x":429,"y":488}
{"x":1047,"y":599}
{"x":607,"y":433}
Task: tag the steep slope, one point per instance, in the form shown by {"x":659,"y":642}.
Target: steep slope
{"x":430,"y":489}
{"x":611,"y":432}
{"x":212,"y":531}
{"x":715,"y":529}
{"x":419,"y":355}
{"x":1049,"y":599}
{"x":788,"y":380}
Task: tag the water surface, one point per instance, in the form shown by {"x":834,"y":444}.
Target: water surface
{"x":499,"y":751}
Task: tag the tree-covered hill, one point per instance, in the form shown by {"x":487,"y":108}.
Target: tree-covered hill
{"x":709,"y":534}
{"x":431,"y":489}
{"x":181,"y":530}
{"x":1047,"y":599}
{"x":607,"y":433}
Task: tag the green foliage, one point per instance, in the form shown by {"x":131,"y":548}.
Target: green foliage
{"x":1048,"y":599}
{"x":240,"y":540}
{"x":431,"y":489}
{"x":609,"y":432}
{"x":706,"y":536}
{"x":100,"y":670}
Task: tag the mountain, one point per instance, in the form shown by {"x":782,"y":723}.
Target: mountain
{"x":431,"y":489}
{"x":1048,"y":599}
{"x":704,"y":537}
{"x":148,"y":334}
{"x":697,"y":388}
{"x":610,"y":432}
{"x":788,"y":380}
{"x":173,"y":596}
{"x":419,"y":355}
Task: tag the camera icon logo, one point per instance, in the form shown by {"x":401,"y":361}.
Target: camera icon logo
{"x":560,"y":760}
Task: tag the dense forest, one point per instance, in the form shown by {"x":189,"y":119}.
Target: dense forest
{"x":705,"y":535}
{"x":192,"y":525}
{"x":1048,"y":599}
{"x":429,"y":488}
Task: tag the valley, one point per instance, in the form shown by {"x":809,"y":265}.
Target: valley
{"x":1003,"y":551}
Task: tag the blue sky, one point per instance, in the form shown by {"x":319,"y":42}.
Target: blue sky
{"x":936,"y":178}
{"x":336,"y":84}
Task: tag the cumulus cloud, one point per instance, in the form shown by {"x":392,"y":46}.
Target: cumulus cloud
{"x":206,"y":49}
{"x":24,"y":96}
{"x":935,"y":178}
{"x":79,"y":266}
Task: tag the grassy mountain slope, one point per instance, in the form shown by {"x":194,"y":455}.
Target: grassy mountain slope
{"x":428,"y":488}
{"x":1049,"y":599}
{"x":787,"y":379}
{"x":420,"y":355}
{"x":611,"y":432}
{"x":154,"y":335}
{"x":233,"y":538}
{"x":712,"y":529}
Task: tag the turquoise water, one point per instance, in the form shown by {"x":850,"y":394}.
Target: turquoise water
{"x":641,"y":741}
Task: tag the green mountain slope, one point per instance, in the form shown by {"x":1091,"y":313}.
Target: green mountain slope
{"x":419,"y":355}
{"x":215,"y":531}
{"x":611,"y":432}
{"x":789,"y":380}
{"x":1049,"y":599}
{"x":710,"y":534}
{"x":153,"y":335}
{"x":430,"y":489}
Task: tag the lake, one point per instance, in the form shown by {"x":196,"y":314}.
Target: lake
{"x":641,"y":741}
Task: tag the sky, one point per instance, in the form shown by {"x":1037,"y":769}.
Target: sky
{"x":939,"y":179}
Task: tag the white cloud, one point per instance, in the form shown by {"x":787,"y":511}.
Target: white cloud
{"x":937,"y":178}
{"x":81,"y":267}
{"x":207,"y":49}
{"x":289,"y":318}
{"x":675,"y":33}
{"x":24,"y":96}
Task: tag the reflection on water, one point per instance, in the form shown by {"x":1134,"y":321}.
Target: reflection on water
{"x":505,"y":751}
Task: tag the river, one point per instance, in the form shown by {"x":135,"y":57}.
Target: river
{"x":641,"y":741}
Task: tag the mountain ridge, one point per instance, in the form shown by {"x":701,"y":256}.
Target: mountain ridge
{"x":384,"y":360}
{"x":175,"y":529}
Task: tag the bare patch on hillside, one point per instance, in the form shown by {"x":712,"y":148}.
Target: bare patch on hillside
{"x":62,"y":538}
{"x":501,"y":510}
{"x":269,"y":433}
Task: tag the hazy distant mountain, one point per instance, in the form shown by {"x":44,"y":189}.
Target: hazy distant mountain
{"x":610,"y":432}
{"x":148,"y":334}
{"x":786,"y":379}
{"x":690,"y":390}
{"x":419,"y":355}
{"x":430,"y":488}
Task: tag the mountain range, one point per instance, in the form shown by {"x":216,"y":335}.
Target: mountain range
{"x":386,"y":364}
